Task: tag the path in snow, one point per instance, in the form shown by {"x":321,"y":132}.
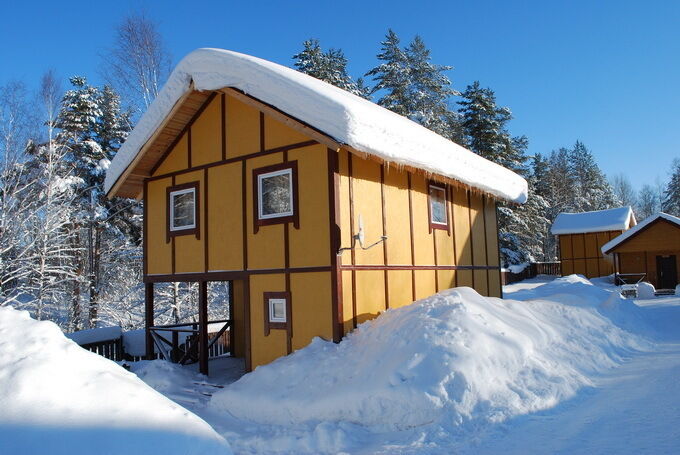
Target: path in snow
{"x":633,"y":410}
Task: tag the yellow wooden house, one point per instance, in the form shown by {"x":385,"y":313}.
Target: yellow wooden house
{"x":580,"y":237}
{"x":322,"y":209}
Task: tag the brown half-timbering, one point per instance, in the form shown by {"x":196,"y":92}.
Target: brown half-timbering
{"x":413,"y":248}
{"x":196,"y":230}
{"x":295,"y":217}
{"x":432,"y":185}
{"x":335,"y":240}
{"x":268,"y":324}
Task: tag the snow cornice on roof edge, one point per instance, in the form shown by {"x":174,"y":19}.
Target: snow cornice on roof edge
{"x":346,"y":118}
{"x":618,"y":219}
{"x":613,"y":243}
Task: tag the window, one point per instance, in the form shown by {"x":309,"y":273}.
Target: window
{"x":277,"y":311}
{"x":438,"y":208}
{"x":182,"y":210}
{"x":275,"y":195}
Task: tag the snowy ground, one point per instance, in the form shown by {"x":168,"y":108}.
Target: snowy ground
{"x":559,"y":366}
{"x":567,"y":367}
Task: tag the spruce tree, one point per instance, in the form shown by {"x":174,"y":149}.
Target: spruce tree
{"x":330,"y":66}
{"x":592,"y":190}
{"x":392,"y":76}
{"x":671,"y":195}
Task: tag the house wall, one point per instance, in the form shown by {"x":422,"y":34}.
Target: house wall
{"x":581,"y":254}
{"x":219,"y":150}
{"x":415,"y":261}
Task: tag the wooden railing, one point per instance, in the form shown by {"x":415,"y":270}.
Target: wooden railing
{"x":531,"y":271}
{"x":170,"y":348}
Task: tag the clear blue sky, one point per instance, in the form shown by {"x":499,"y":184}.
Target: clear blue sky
{"x":604,"y":72}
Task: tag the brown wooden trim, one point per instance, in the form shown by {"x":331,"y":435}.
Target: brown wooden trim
{"x":486,"y":242}
{"x":413,"y":249}
{"x":223,"y":127}
{"x":236,"y":159}
{"x":167,"y":229}
{"x":247,"y":324}
{"x":232,"y":329}
{"x":384,"y":233}
{"x":227,"y":275}
{"x":295,"y":217}
{"x":145,"y":230}
{"x":432,"y":225}
{"x":206,"y":244}
{"x":196,"y":230}
{"x":498,"y":247}
{"x":148,"y":319}
{"x":335,"y":240}
{"x":268,"y":325}
{"x":244,"y":214}
{"x":262,"y":132}
{"x":172,"y":145}
{"x":472,"y":243}
{"x":351,"y":224}
{"x":420,"y":267}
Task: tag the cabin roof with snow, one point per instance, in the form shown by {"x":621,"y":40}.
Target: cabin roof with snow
{"x":618,"y":219}
{"x":660,"y":216}
{"x":330,"y":115}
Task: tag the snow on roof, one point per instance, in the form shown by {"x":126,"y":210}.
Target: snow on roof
{"x":613,"y":243}
{"x":620,"y":218}
{"x":346,"y":118}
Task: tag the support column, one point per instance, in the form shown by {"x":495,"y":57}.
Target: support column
{"x":203,"y":327}
{"x":148,"y":319}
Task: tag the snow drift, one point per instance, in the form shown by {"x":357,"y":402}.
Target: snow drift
{"x":58,"y":398}
{"x":454,"y":359}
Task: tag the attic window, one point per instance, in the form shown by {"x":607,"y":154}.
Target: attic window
{"x":183,"y":210}
{"x":275,"y":194}
{"x":438,"y":209}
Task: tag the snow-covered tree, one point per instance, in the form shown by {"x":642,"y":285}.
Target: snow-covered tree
{"x":671,"y":195}
{"x":592,"y":190}
{"x":392,"y":76}
{"x":329,"y":66}
{"x":648,"y":202}
{"x":623,"y":190}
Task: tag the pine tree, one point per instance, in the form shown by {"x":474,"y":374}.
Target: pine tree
{"x":330,"y":66}
{"x":392,"y":76}
{"x":592,"y":190}
{"x":671,"y":195}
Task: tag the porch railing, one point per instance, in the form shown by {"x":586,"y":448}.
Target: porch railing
{"x":182,"y":347}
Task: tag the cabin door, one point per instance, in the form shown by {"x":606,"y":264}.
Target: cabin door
{"x":666,"y":271}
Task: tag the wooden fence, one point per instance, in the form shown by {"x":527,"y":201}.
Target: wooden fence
{"x":531,"y":271}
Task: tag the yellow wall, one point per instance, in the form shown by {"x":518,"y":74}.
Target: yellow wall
{"x":581,"y":254}
{"x":225,"y":242}
{"x":264,"y":349}
{"x":159,"y":258}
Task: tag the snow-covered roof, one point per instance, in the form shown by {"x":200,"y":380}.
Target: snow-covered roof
{"x":617,"y":219}
{"x":344,"y":117}
{"x":613,"y":243}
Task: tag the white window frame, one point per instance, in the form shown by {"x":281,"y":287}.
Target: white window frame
{"x":272,"y":301}
{"x":431,"y":202}
{"x":173,"y":194}
{"x":260,"y":178}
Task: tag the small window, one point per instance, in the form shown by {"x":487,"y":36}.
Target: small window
{"x":275,"y":195}
{"x":277,"y":311}
{"x":438,"y":208}
{"x":182,"y":210}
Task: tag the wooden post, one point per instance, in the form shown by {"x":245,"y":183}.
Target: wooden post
{"x":231,"y":319}
{"x":203,"y":327}
{"x":148,"y":319}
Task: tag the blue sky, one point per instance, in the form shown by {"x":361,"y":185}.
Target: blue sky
{"x":605,"y":72}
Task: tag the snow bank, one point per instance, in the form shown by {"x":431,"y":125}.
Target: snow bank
{"x":456,"y":359}
{"x":596,"y":221}
{"x":95,"y":335}
{"x":646,"y":290}
{"x":347,"y":118}
{"x":58,"y":398}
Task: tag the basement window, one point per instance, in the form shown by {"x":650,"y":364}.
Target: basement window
{"x":439,"y":218}
{"x":275,"y":194}
{"x":183,"y":209}
{"x":277,"y":311}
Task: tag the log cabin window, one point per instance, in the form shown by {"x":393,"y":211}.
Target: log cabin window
{"x":438,"y":209}
{"x":277,"y":311}
{"x":182,"y":210}
{"x":275,"y":194}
